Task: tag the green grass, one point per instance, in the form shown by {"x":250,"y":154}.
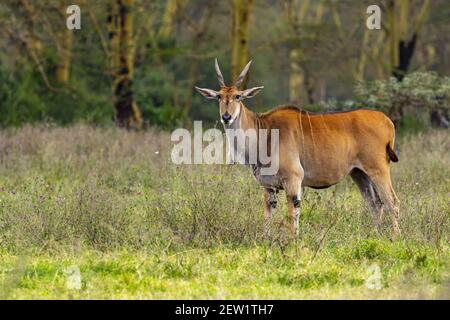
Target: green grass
{"x":139,"y":227}
{"x":225,"y":273}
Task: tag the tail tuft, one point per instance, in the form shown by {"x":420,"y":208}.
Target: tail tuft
{"x":391,"y":154}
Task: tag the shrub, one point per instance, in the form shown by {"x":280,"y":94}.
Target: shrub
{"x":419,"y":94}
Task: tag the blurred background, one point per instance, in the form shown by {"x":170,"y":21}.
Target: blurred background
{"x":134,"y":63}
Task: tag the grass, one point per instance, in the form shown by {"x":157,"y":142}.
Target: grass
{"x":111,"y":203}
{"x":225,"y":273}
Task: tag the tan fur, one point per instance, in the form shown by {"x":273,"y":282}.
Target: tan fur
{"x":319,"y":149}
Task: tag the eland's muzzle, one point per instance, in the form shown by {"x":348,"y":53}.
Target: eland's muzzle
{"x":226,"y":117}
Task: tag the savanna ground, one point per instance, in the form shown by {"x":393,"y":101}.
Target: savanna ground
{"x":110,"y":203}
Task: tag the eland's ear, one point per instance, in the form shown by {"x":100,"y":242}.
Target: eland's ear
{"x":250,"y":93}
{"x":208,"y":93}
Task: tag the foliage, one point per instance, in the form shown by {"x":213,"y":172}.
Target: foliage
{"x":154,"y":97}
{"x":424,"y":90}
{"x":19,"y":101}
{"x":28,"y":101}
{"x":418,"y":94}
{"x":174,"y":52}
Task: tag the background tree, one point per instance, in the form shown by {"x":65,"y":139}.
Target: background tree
{"x":64,"y":43}
{"x":120,"y":23}
{"x":311,"y":53}
{"x":405,"y":21}
{"x":241,"y":11}
{"x":199,"y":31}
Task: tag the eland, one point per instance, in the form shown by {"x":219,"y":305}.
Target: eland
{"x":316,"y":150}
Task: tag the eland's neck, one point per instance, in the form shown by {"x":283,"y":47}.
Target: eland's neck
{"x":245,"y":120}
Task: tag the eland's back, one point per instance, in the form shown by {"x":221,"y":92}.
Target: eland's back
{"x":330,"y":145}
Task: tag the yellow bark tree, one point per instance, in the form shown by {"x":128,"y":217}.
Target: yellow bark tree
{"x":295,"y":16}
{"x":64,"y":48}
{"x":167,"y":21}
{"x":405,"y":21}
{"x":299,"y":13}
{"x":199,"y":30}
{"x":241,"y":11}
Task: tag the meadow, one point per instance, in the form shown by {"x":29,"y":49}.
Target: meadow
{"x":110,"y":203}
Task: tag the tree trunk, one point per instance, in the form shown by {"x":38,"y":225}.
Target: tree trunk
{"x":360,"y":68}
{"x":378,"y":54}
{"x":405,"y":53}
{"x":120,"y":25}
{"x":64,"y":51}
{"x":197,"y":40}
{"x":167,"y":22}
{"x":393,"y":34}
{"x":309,"y":86}
{"x":296,"y":79}
{"x":239,"y":37}
{"x":402,"y":41}
{"x":296,"y":75}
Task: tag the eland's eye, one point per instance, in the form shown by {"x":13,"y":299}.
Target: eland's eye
{"x":218,"y":96}
{"x":238,"y":97}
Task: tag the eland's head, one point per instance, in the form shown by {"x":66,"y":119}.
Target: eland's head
{"x":229,"y":98}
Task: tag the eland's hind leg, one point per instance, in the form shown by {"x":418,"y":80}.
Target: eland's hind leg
{"x":383,"y":185}
{"x":369,"y":194}
{"x":270,"y":204}
{"x":293,"y":193}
